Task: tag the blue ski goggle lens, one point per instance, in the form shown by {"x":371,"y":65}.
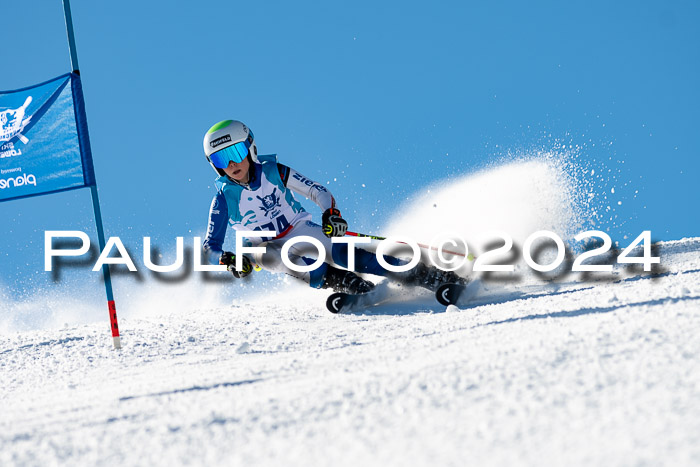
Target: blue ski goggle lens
{"x":235,"y":153}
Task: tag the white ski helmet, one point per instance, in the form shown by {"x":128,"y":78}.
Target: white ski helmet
{"x":229,"y":140}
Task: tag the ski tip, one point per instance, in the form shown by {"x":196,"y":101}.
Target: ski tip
{"x":335,"y":302}
{"x":448,"y":294}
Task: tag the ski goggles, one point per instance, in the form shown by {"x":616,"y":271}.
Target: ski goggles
{"x":234,"y":153}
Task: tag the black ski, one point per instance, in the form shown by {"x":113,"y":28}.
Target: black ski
{"x":448,"y":294}
{"x":340,"y":301}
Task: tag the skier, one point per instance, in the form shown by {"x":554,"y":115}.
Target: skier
{"x":255,"y":192}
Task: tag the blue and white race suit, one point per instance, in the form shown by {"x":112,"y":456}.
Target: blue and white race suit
{"x":267,"y":203}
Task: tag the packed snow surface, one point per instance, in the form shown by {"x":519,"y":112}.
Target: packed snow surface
{"x":601,"y":371}
{"x":557,"y":370}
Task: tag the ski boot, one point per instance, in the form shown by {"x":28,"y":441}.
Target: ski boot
{"x":429,"y":277}
{"x":345,"y":281}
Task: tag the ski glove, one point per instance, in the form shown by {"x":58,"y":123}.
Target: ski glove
{"x":228,"y":259}
{"x":333,"y":224}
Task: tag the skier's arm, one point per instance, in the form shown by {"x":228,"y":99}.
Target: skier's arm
{"x":333,"y":224}
{"x":306,"y":187}
{"x":216,"y":229}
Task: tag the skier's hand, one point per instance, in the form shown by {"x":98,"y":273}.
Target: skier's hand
{"x":333,"y":224}
{"x":228,"y":259}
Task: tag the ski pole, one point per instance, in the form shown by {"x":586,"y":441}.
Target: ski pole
{"x":470,"y":256}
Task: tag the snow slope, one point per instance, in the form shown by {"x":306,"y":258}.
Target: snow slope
{"x":590,"y":372}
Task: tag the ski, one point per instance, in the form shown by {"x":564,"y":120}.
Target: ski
{"x":340,"y":301}
{"x":448,"y":294}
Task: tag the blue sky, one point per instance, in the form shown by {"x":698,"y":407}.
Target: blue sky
{"x":393,"y":96}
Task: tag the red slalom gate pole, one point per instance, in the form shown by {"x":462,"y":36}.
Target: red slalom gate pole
{"x":111,"y":306}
